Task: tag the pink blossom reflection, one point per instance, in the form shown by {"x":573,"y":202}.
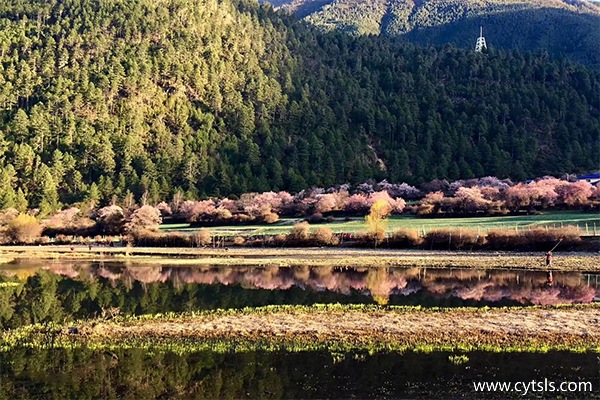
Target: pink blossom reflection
{"x":522,"y":287}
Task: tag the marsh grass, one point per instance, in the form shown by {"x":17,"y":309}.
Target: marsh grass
{"x":335,"y":328}
{"x":406,"y":237}
{"x":453,"y":239}
{"x":458,"y":359}
{"x":534,"y":239}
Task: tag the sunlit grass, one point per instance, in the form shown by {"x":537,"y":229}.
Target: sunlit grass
{"x":334,"y":328}
{"x":553,"y":219}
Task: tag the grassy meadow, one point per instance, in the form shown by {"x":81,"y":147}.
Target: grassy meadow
{"x":589,"y":223}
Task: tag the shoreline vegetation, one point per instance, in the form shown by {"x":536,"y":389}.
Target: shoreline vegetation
{"x":330,"y":327}
{"x":283,"y":257}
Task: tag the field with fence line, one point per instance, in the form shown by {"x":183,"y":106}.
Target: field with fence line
{"x":589,"y":223}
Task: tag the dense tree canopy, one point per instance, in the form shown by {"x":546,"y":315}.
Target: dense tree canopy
{"x":561,"y":27}
{"x":133,"y":98}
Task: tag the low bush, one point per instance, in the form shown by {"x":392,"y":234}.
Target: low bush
{"x":300,"y":232}
{"x":202,"y":237}
{"x":542,"y":238}
{"x":456,"y":239}
{"x":270,"y":218}
{"x":149,"y":238}
{"x":364,"y":239}
{"x":405,"y":238}
{"x":239,"y":240}
{"x":23,"y":229}
{"x":545,"y":238}
{"x":42,"y":240}
{"x":241,"y":218}
{"x":280,"y":239}
{"x":64,"y":239}
{"x":316,"y":218}
{"x":505,"y":239}
{"x":324,"y":236}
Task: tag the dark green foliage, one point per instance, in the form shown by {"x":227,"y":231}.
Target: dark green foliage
{"x":217,"y":98}
{"x":46,"y":297}
{"x":569,"y":28}
{"x":141,"y":374}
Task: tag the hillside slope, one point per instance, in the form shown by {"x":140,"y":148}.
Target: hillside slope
{"x":562,"y":27}
{"x":224,"y":97}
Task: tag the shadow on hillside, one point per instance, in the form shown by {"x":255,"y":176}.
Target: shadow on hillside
{"x":310,"y":7}
{"x":561,"y":33}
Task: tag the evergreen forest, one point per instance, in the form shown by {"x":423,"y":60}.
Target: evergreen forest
{"x":561,"y":27}
{"x":221,"y":97}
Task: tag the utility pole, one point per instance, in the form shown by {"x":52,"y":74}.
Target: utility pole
{"x":480,"y":45}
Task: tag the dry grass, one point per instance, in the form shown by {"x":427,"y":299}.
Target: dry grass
{"x":453,"y":239}
{"x":518,"y":328}
{"x":202,"y":237}
{"x":310,"y":257}
{"x":534,"y":239}
{"x":324,"y":236}
{"x":406,"y":238}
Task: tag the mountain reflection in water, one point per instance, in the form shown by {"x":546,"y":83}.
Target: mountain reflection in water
{"x":384,"y":285}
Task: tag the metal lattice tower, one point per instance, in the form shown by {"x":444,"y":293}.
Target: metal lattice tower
{"x":480,"y":45}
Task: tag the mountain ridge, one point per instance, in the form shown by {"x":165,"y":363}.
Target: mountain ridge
{"x":455,"y":20}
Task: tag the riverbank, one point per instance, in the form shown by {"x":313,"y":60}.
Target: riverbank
{"x":334,"y":257}
{"x":333,"y":328}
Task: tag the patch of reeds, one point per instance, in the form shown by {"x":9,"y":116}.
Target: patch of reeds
{"x":403,"y":238}
{"x":300,"y":235}
{"x":542,"y":238}
{"x":160,"y":239}
{"x":202,"y":238}
{"x":454,"y":239}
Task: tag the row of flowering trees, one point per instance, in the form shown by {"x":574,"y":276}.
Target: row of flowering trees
{"x":269,"y":206}
{"x":540,"y":194}
{"x":484,"y":196}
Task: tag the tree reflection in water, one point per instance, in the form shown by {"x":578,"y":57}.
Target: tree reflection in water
{"x":82,"y":289}
{"x":138,"y":374}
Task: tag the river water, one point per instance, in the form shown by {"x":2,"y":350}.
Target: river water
{"x":38,"y":292}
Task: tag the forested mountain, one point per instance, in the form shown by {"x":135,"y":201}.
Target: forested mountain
{"x":562,"y":27}
{"x":224,"y":97}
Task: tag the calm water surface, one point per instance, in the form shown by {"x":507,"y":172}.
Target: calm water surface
{"x":64,"y":291}
{"x":135,"y":374}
